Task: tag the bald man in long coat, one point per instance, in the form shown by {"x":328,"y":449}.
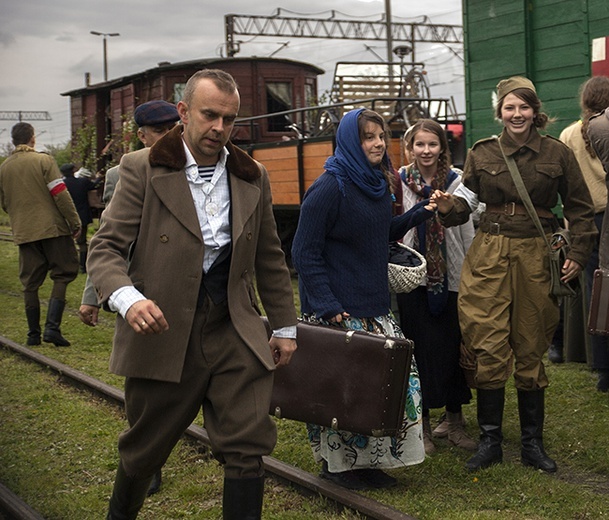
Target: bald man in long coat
{"x":189,"y":231}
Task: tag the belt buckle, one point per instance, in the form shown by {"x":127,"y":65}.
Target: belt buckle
{"x":494,"y":228}
{"x":511,"y":211}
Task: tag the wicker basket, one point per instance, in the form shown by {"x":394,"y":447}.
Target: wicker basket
{"x":403,"y":279}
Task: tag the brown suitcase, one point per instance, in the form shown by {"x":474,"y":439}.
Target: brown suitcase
{"x":347,"y":380}
{"x":598,"y":319}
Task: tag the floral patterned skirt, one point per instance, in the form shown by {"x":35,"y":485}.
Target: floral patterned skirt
{"x":345,"y":451}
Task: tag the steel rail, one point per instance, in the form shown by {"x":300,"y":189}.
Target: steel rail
{"x":301,"y":479}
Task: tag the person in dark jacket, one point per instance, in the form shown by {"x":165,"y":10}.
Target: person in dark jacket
{"x":79,"y":188}
{"x":594,"y":97}
{"x":340,"y":252}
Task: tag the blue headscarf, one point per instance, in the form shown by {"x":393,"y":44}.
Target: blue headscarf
{"x":350,"y":162}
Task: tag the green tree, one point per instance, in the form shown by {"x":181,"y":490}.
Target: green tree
{"x":62,"y":153}
{"x":84,"y":148}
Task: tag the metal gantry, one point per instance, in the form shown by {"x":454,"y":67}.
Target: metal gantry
{"x":332,"y":28}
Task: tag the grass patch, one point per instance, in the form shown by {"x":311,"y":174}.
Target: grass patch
{"x":58,"y":445}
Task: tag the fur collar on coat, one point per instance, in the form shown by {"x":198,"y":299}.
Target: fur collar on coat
{"x":169,"y":151}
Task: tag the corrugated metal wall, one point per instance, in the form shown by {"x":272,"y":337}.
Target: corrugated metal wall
{"x":549,"y":41}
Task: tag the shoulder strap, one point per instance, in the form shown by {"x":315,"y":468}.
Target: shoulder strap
{"x":522,"y":191}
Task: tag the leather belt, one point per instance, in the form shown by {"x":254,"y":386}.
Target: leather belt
{"x":511,"y":208}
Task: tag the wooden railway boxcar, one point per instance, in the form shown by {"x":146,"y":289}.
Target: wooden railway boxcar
{"x":266,"y":85}
{"x":558,"y":44}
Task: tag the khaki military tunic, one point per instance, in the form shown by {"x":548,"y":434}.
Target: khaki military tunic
{"x":506,"y":312}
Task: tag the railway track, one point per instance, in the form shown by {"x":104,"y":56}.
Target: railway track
{"x":299,"y":479}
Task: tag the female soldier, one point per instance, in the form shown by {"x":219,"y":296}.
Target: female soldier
{"x":506,"y":310}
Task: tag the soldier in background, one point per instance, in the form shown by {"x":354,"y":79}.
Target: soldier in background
{"x":44,"y":222}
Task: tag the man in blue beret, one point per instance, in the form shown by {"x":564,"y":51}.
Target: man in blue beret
{"x":154,"y":119}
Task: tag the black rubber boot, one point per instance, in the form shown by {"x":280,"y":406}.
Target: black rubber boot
{"x":531,"y":411}
{"x":83,"y":261}
{"x":243,"y":498}
{"x":490,"y":418}
{"x":555,"y":353}
{"x":128,"y":496}
{"x":33,"y":322}
{"x":602,"y":384}
{"x":155,"y":485}
{"x":52,"y":333}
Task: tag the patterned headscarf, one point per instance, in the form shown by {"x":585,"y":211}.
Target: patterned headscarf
{"x":350,"y":162}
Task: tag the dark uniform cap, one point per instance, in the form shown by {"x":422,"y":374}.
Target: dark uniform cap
{"x":67,"y":168}
{"x":157,"y":112}
{"x":505,"y":86}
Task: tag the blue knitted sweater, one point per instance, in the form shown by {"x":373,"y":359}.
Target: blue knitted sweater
{"x":340,"y":249}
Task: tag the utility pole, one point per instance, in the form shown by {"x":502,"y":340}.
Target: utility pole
{"x":389,"y":33}
{"x":105,"y":50}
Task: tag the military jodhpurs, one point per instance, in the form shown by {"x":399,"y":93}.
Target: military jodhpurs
{"x":223,"y":376}
{"x":506,"y":312}
{"x":55,"y":255}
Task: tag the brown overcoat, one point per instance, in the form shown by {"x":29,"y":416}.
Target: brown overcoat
{"x":150,"y":238}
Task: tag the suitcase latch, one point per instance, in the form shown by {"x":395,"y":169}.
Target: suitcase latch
{"x":349,"y":335}
{"x":334,"y":425}
{"x":389,"y":344}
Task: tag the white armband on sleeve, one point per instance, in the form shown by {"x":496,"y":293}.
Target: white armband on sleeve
{"x":57,"y":186}
{"x":468,"y":195}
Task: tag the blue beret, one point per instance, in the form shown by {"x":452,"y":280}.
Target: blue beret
{"x":157,"y":112}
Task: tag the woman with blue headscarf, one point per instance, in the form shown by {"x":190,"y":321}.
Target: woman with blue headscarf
{"x":340,"y":252}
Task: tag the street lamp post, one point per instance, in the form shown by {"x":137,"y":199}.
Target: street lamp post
{"x":105,"y":35}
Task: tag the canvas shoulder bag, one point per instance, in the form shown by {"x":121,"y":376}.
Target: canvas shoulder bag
{"x":558,"y":247}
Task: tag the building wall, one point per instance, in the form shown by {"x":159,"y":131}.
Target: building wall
{"x":549,"y":41}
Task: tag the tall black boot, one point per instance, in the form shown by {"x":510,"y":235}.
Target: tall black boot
{"x":83,"y":261}
{"x":33,"y":321}
{"x":155,"y":484}
{"x":52,"y":333}
{"x":531,"y":411}
{"x":490,"y":418}
{"x":243,"y":498}
{"x":128,"y":496}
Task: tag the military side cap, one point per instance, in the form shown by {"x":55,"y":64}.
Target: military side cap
{"x":505,"y":86}
{"x":157,"y":112}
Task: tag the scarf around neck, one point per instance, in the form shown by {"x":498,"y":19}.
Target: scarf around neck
{"x":429,"y":237}
{"x":350,"y":163}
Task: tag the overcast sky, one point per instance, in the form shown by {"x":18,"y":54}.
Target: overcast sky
{"x":46,"y":46}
